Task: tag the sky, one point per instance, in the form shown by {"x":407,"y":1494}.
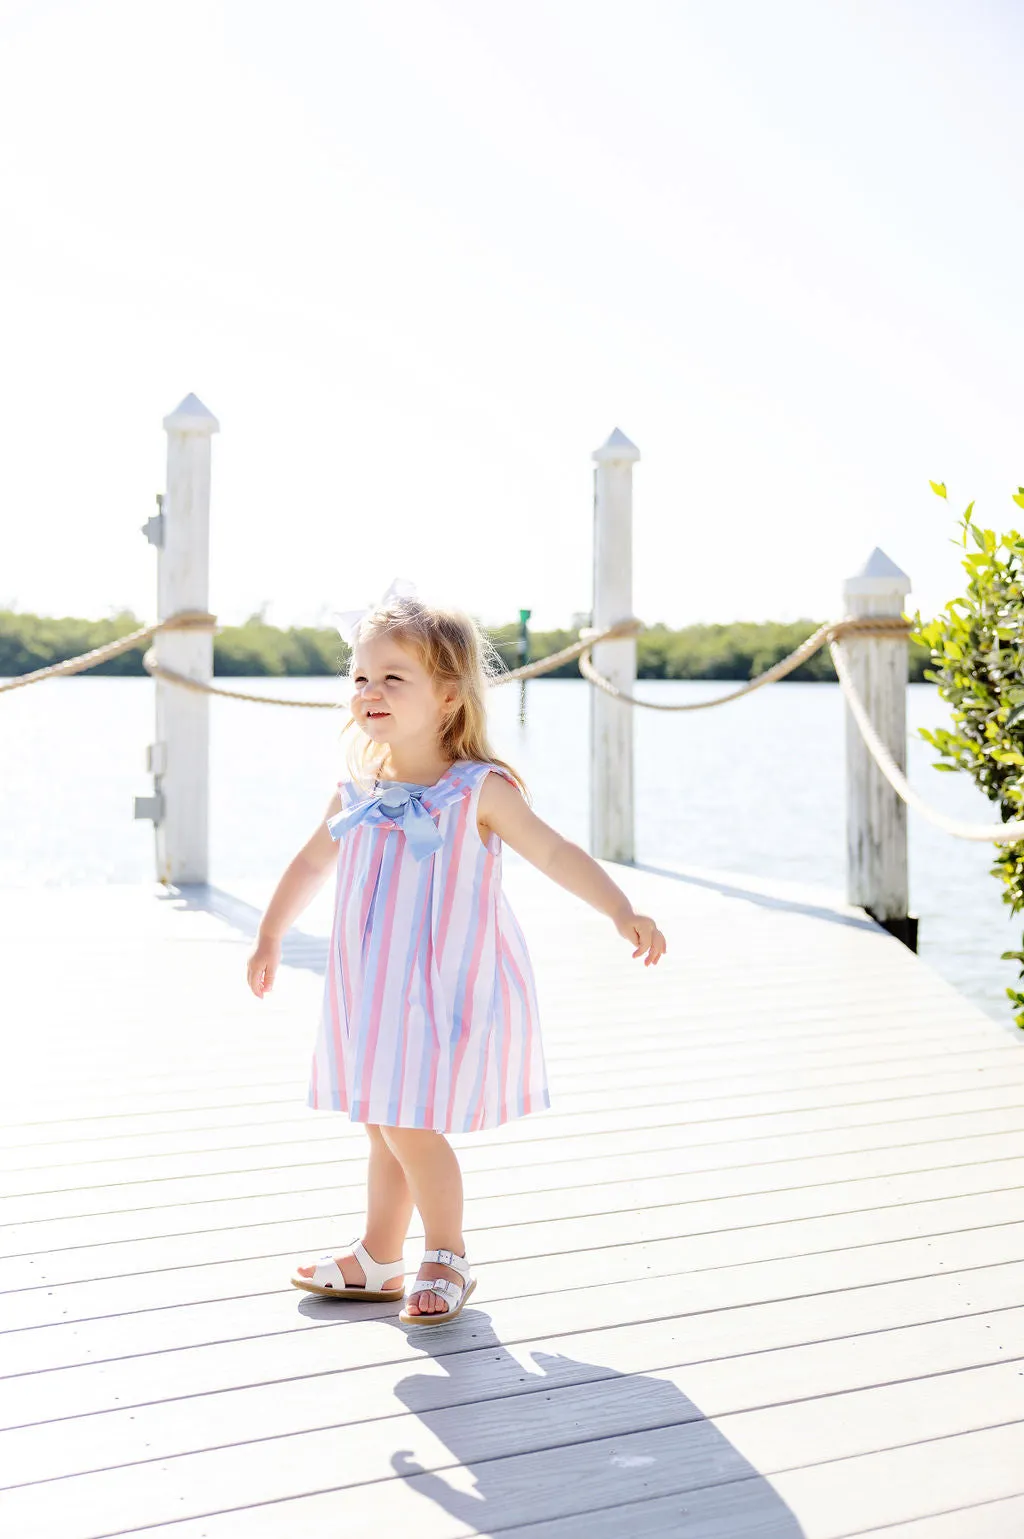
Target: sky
{"x":421,"y":258}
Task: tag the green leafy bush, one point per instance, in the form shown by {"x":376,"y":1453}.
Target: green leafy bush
{"x":977,"y":652}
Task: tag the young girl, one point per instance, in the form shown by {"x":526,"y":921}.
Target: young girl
{"x":429,"y":1024}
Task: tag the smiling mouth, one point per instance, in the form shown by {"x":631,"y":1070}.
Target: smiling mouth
{"x":377,"y":715}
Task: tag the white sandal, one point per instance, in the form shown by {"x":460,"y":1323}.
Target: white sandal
{"x":328,"y":1279}
{"x":455,"y":1295}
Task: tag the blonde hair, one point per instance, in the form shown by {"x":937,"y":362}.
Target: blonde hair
{"x":454,"y":651}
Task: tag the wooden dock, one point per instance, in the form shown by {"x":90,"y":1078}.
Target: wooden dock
{"x":759,"y":1271}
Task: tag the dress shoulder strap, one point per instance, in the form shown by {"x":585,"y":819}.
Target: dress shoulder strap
{"x":349,"y":793}
{"x":477,"y":770}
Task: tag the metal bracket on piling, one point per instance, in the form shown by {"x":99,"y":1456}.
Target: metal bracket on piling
{"x":153,"y":528}
{"x":151,"y":807}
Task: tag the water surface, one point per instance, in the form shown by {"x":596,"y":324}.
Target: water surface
{"x":752,"y":787}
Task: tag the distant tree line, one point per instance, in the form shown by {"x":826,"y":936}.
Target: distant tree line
{"x":737,"y":651}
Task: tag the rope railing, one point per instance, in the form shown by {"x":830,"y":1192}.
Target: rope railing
{"x":830,"y":634}
{"x":187,"y":620}
{"x":998,"y":833}
{"x":200,"y":686}
{"x":527,"y":671}
{"x":617,"y":632}
{"x":830,"y":631}
{"x":199,"y":620}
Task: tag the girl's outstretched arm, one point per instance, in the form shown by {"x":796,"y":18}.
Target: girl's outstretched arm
{"x":503,"y":811}
{"x":300,"y":883}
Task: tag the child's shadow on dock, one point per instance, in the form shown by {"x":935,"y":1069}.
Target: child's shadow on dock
{"x":600,"y":1452}
{"x":299,"y":949}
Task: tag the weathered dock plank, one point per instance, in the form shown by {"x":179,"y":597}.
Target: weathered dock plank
{"x":627,"y":1153}
{"x":758,"y":1272}
{"x":636,"y":1408}
{"x":643,"y":1180}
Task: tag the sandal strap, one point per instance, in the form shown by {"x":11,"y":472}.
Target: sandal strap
{"x":328,"y":1274}
{"x":450,"y":1258}
{"x":444,"y":1286}
{"x":377,"y":1272}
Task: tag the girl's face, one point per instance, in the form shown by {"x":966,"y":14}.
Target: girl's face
{"x":393,"y":698}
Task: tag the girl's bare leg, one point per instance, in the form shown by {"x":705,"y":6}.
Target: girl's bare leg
{"x":388,"y":1212}
{"x":389,"y":1203}
{"x":435,"y":1181}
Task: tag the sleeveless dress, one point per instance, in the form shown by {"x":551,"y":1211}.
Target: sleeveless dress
{"x":429,"y":1015}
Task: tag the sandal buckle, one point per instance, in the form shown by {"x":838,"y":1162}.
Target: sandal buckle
{"x":444,"y":1257}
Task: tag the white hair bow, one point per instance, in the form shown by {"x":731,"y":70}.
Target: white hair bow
{"x":349,"y":620}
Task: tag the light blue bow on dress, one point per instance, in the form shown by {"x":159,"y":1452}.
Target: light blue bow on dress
{"x":398,"y":804}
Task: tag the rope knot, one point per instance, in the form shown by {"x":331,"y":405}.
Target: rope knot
{"x":187,"y":620}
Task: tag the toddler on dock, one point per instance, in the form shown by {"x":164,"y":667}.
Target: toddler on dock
{"x":429,"y":1023}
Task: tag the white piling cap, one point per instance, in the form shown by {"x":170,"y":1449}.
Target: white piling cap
{"x":191,"y":416}
{"x":617,"y":447}
{"x":877,"y":577}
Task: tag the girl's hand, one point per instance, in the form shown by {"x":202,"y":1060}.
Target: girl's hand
{"x":644,"y":934}
{"x":261,"y":969}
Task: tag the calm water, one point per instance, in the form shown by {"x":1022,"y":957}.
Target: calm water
{"x":753,"y":787}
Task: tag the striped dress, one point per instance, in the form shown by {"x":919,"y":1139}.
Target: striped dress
{"x":429,"y":1015}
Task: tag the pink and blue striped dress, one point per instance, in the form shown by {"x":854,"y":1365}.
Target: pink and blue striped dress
{"x":429,"y":1015}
